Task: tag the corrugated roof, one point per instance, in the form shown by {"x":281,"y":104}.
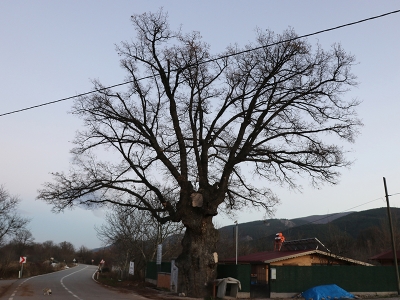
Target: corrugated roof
{"x":270,"y":257}
{"x":266,"y":256}
{"x":304,"y":244}
{"x":388,"y":255}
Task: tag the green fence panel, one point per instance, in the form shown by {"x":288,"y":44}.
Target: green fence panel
{"x":165,"y":267}
{"x":295,"y":279}
{"x":239,"y":272}
{"x":152,"y":269}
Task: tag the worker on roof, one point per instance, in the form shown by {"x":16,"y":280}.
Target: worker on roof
{"x":279,"y":239}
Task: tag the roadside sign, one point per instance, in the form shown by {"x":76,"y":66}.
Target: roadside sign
{"x":22,"y":261}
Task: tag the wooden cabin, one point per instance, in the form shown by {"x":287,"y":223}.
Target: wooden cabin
{"x":305,"y":252}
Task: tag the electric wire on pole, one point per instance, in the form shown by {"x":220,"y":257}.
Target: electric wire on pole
{"x":392,"y":236}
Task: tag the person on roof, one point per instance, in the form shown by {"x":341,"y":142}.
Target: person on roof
{"x":279,"y":239}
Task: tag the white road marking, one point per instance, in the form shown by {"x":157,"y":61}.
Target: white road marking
{"x":62,"y":283}
{"x":16,"y":290}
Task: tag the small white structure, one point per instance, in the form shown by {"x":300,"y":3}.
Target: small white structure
{"x":222,"y":287}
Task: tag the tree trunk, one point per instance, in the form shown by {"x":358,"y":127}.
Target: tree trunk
{"x":198,"y":261}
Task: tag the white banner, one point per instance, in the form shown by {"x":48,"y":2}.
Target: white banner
{"x":174,"y":277}
{"x":159,"y":254}
{"x":132,"y":268}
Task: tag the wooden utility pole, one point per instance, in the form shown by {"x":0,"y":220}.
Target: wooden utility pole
{"x":392,"y":236}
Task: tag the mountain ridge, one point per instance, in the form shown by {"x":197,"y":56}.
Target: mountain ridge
{"x":368,"y":229}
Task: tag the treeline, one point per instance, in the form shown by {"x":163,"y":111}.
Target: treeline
{"x":17,"y":241}
{"x":41,"y":257}
{"x":128,"y":235}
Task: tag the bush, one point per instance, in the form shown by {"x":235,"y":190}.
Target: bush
{"x":11,"y":271}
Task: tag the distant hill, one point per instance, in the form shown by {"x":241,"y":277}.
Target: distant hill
{"x":350,"y":225}
{"x":357,"y":222}
{"x":321,"y":219}
{"x":263,"y":228}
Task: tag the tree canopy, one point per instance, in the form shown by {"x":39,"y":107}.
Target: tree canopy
{"x":192,"y":130}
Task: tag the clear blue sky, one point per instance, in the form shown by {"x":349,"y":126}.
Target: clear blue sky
{"x":52,"y":49}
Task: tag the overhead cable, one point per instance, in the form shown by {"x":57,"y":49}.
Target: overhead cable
{"x":207,"y":61}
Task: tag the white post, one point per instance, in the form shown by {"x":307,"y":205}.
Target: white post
{"x":236,"y":233}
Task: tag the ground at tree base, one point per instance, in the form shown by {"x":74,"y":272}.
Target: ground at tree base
{"x":141,"y":288}
{"x":151,"y":292}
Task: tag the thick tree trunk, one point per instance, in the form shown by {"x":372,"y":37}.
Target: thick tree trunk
{"x":198,"y":260}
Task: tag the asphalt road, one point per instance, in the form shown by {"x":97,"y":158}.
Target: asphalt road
{"x":74,"y":283}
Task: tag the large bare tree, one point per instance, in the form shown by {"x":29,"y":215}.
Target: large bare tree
{"x":193,"y":130}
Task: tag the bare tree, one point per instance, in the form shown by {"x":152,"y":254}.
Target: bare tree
{"x":11,"y":222}
{"x":84,"y":255}
{"x":18,"y":246}
{"x":193,"y":130}
{"x":22,"y":242}
{"x":66,"y":253}
{"x":135,"y":236}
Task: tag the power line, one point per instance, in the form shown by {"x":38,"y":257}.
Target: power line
{"x":68,"y":98}
{"x":308,"y":35}
{"x":207,"y":61}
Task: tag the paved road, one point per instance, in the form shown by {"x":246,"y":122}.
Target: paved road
{"x":74,"y":283}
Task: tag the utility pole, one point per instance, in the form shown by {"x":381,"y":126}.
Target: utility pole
{"x":392,"y":236}
{"x":236,"y":234}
